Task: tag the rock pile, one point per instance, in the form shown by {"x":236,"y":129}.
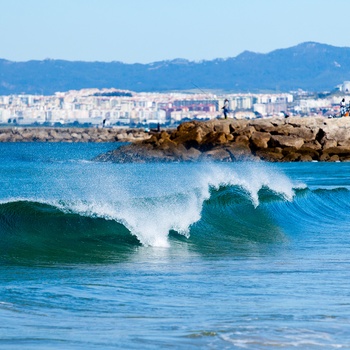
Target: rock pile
{"x":275,"y":140}
{"x":22,"y":134}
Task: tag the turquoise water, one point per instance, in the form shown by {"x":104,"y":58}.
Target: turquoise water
{"x":179,"y":256}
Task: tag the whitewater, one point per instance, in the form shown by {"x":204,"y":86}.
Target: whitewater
{"x":184,"y":255}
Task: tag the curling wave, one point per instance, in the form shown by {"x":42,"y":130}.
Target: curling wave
{"x":215,"y":209}
{"x":228,"y":219}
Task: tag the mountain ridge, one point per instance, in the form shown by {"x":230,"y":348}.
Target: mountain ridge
{"x":309,"y":66}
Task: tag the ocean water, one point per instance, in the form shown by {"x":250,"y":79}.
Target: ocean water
{"x":171,"y":256}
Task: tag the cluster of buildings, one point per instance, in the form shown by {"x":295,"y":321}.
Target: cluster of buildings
{"x":112,"y":107}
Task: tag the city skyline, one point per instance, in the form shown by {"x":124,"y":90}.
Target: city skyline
{"x":139,"y":31}
{"x":114,"y":107}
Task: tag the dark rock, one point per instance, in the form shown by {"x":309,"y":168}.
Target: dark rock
{"x":239,"y":151}
{"x":292,"y":157}
{"x":217,"y":154}
{"x":306,"y":158}
{"x":269,"y":155}
{"x":339,"y":150}
{"x":311,"y":146}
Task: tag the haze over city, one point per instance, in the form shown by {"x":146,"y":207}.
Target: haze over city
{"x":148,"y":31}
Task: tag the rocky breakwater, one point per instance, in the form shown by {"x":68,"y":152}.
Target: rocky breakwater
{"x":275,"y":140}
{"x":23,"y":134}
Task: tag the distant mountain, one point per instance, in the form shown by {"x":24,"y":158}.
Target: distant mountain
{"x":309,"y":66}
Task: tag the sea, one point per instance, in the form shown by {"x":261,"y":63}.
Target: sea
{"x":244,"y":255}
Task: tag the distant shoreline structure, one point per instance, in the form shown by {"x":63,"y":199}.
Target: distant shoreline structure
{"x":129,"y":109}
{"x":42,"y":134}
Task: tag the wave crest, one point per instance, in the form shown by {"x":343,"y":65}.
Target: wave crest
{"x":148,"y":218}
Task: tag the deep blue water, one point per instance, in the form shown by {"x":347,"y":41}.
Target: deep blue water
{"x":179,"y":256}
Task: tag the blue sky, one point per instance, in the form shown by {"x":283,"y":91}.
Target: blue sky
{"x":146,"y":31}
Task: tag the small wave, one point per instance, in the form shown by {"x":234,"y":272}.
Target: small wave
{"x":251,"y":177}
{"x":262,"y":338}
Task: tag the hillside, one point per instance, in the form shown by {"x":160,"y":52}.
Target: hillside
{"x":308,"y":66}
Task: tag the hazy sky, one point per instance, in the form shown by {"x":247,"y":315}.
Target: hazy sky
{"x":146,"y":31}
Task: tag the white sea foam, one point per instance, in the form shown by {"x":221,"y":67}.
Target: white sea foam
{"x":149,"y":219}
{"x":171,"y":198}
{"x":251,"y":177}
{"x":280,"y":338}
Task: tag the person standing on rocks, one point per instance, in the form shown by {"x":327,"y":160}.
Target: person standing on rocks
{"x":342,"y":107}
{"x":226,"y":108}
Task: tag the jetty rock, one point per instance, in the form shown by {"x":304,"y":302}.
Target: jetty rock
{"x":228,"y":140}
{"x":63,"y":134}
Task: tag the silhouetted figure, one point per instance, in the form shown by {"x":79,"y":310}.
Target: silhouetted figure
{"x":226,"y":108}
{"x":342,"y":107}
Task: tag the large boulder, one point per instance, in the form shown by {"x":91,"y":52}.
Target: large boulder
{"x":190,"y":136}
{"x":260,"y":139}
{"x":5,"y":137}
{"x":286,"y":141}
{"x":303,"y":132}
{"x":262,"y":125}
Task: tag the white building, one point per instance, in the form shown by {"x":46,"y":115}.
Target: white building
{"x":5,"y":115}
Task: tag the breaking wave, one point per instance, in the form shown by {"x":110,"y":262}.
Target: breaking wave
{"x":222,"y":209}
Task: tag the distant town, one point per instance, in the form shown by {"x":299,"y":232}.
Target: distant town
{"x":121,"y":108}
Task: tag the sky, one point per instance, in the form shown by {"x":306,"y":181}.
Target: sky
{"x":145,"y":31}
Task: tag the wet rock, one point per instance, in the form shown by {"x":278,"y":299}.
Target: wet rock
{"x":292,"y":157}
{"x":217,"y":154}
{"x":306,"y":158}
{"x":269,"y":155}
